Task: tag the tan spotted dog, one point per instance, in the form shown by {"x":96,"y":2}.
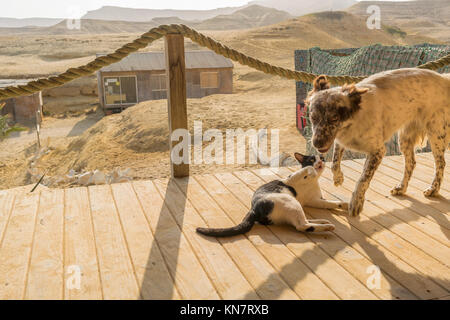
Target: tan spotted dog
{"x":362,"y":117}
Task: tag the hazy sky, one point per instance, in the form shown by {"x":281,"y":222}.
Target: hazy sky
{"x":76,"y":8}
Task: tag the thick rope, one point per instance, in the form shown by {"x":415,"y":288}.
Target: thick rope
{"x":204,"y":41}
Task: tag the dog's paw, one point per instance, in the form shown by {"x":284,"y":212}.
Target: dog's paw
{"x":398,"y":190}
{"x":355,"y":208}
{"x":344,"y":206}
{"x":431,"y":192}
{"x":338,"y":178}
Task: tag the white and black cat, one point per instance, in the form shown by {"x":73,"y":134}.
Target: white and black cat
{"x":282,"y":201}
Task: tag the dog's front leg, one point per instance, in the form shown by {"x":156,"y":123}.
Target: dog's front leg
{"x":372,"y":162}
{"x":338,"y":176}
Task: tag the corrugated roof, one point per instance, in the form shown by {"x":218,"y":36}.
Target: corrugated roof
{"x":147,"y":61}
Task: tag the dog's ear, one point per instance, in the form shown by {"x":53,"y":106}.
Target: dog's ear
{"x":321,"y":83}
{"x":354,"y":94}
{"x":299,"y":157}
{"x":352,"y":91}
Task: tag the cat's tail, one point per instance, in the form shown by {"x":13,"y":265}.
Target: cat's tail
{"x":243,"y":227}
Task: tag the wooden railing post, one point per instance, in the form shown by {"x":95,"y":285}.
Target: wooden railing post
{"x":176,"y":94}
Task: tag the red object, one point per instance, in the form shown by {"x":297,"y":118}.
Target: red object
{"x":301,"y":116}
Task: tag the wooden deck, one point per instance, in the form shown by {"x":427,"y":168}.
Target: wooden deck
{"x":138,"y":241}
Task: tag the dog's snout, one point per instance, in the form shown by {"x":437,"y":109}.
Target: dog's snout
{"x":318,"y":142}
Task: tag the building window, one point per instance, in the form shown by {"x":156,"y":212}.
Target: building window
{"x":120,"y":90}
{"x":158,"y":84}
{"x":209,"y":80}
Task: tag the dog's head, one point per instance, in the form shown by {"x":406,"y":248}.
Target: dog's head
{"x":330,"y":109}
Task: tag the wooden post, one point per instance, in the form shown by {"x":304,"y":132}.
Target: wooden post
{"x":176,"y":94}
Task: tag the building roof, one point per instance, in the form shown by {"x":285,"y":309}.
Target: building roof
{"x":148,"y":61}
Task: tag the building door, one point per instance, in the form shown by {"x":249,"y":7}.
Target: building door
{"x":120,"y":90}
{"x":129,"y":90}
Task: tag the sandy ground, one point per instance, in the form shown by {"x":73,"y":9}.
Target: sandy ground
{"x":138,"y":137}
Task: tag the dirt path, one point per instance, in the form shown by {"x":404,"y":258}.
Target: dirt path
{"x":52,"y":128}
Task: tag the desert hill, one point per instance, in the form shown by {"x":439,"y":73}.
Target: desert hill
{"x":137,"y":137}
{"x":325,"y":29}
{"x":41,"y":55}
{"x":249,"y":17}
{"x":28,"y":22}
{"x":299,"y":8}
{"x":295,"y":8}
{"x":142,"y":15}
{"x":424,"y":17}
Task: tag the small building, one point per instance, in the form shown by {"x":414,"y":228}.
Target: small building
{"x":142,"y":77}
{"x":22,"y":109}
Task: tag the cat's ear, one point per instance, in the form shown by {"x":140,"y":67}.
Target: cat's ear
{"x":299,"y":157}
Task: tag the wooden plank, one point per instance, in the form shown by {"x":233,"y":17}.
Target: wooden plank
{"x":394,"y":172}
{"x":378,"y":244}
{"x":190,"y":279}
{"x":6,"y":206}
{"x":437,"y":208}
{"x":405,"y":229}
{"x":422,"y":175}
{"x":258,"y":271}
{"x":116,"y":271}
{"x":404,"y":207}
{"x":427,"y":159}
{"x":176,"y":93}
{"x":415,"y":210}
{"x":349,"y":258}
{"x":46,"y":273}
{"x":293,"y":271}
{"x":16,"y":247}
{"x":340,"y":281}
{"x":409,"y":253}
{"x":220,"y":267}
{"x":145,"y":254}
{"x":420,"y":240}
{"x":79,"y":247}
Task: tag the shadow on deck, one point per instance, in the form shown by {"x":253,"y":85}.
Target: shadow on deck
{"x":138,"y":241}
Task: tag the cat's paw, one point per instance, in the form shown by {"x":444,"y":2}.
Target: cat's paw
{"x":355,"y":208}
{"x":398,"y":190}
{"x":338,"y":178}
{"x":431,"y":192}
{"x":344,"y":206}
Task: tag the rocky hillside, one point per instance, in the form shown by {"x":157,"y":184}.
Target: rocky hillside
{"x":299,"y":8}
{"x":142,"y":15}
{"x":249,"y":17}
{"x":277,"y":43}
{"x":423,"y":17}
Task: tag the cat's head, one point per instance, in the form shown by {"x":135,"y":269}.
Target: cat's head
{"x":318,"y":162}
{"x":304,"y":176}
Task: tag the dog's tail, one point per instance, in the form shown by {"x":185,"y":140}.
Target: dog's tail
{"x":244,"y":227}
